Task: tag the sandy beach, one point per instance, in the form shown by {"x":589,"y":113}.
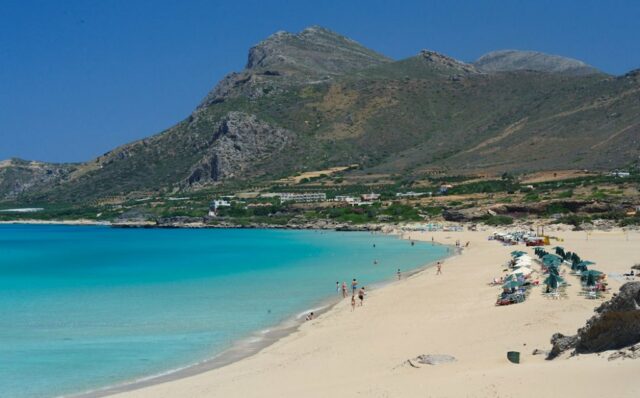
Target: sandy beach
{"x":363,"y":353}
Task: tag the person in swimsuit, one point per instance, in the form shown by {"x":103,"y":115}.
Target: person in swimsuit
{"x":337,"y":287}
{"x":439,"y":271}
{"x":399,"y":274}
{"x":361,"y":296}
{"x":354,"y":286}
{"x":344,"y":289}
{"x":310,"y":316}
{"x":353,"y":303}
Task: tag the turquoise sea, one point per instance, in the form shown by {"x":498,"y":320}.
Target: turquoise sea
{"x":82,"y":308}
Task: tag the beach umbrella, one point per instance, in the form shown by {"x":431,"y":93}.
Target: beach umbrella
{"x":512,"y":284}
{"x":553,"y":271}
{"x":517,"y":253}
{"x":559,"y":251}
{"x":553,"y":281}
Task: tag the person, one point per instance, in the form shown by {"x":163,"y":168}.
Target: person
{"x":354,"y":286}
{"x":413,"y":243}
{"x":361,"y":295}
{"x":310,"y":316}
{"x":432,"y":241}
{"x":375,"y":262}
{"x":353,"y":302}
{"x":344,"y":289}
{"x":399,"y":274}
{"x":439,"y":266}
{"x":337,"y":287}
{"x":374,"y":245}
{"x":467,"y":244}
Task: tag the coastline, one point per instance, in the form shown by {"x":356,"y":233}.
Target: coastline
{"x":256,"y":342}
{"x":425,"y":314}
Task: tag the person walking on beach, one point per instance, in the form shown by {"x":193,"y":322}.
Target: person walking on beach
{"x":439,"y":268}
{"x":361,"y":295}
{"x":354,"y":286}
{"x":344,"y":289}
{"x":353,"y":303}
{"x":399,"y":274}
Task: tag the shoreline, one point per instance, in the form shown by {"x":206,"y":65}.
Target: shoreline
{"x":259,"y":340}
{"x":449,"y":314}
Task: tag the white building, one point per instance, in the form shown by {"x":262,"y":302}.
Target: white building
{"x":214,"y":205}
{"x":368,"y":197}
{"x":304,"y":197}
{"x":345,"y":199}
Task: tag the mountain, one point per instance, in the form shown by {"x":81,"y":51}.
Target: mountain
{"x":514,"y":60}
{"x":316,"y":99}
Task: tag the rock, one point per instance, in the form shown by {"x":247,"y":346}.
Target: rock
{"x":630,"y":353}
{"x":432,"y":359}
{"x":238,"y":142}
{"x":462,"y":215}
{"x":616,"y":325}
{"x":561,"y":343}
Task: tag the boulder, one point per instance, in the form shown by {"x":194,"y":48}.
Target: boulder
{"x":615,"y":326}
{"x":561,"y":343}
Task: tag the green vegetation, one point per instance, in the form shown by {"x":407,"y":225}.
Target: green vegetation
{"x":498,"y":220}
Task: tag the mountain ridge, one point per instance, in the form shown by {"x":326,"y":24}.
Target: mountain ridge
{"x":317,"y":99}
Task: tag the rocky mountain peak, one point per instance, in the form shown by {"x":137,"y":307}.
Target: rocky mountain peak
{"x":443,"y":61}
{"x":514,"y":60}
{"x":284,"y":59}
{"x":314,"y":51}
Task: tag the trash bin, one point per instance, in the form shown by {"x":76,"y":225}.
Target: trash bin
{"x":513,"y":356}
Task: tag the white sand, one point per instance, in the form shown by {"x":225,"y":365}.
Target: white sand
{"x":361,"y":354}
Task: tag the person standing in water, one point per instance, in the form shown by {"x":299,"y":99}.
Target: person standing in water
{"x":399,"y":274}
{"x":344,"y":289}
{"x":337,"y":287}
{"x":354,"y":286}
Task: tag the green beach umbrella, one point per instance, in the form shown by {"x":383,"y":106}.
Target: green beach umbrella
{"x":517,"y":253}
{"x":553,"y":281}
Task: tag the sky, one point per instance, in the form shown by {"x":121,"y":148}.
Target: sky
{"x":78,"y":78}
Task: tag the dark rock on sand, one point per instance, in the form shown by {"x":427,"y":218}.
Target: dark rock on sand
{"x":616,"y":325}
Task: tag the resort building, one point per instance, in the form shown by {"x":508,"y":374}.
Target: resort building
{"x":304,"y":197}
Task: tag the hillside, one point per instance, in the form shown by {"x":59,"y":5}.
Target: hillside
{"x":512,"y":60}
{"x":316,"y":100}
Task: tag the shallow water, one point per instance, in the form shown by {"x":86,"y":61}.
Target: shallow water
{"x":87,"y":307}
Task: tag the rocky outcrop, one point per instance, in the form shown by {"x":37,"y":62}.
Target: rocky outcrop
{"x":616,"y":325}
{"x":18,"y":176}
{"x":463,"y":215}
{"x":238,"y":142}
{"x":285,"y":59}
{"x":514,"y":60}
{"x":443,"y":62}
